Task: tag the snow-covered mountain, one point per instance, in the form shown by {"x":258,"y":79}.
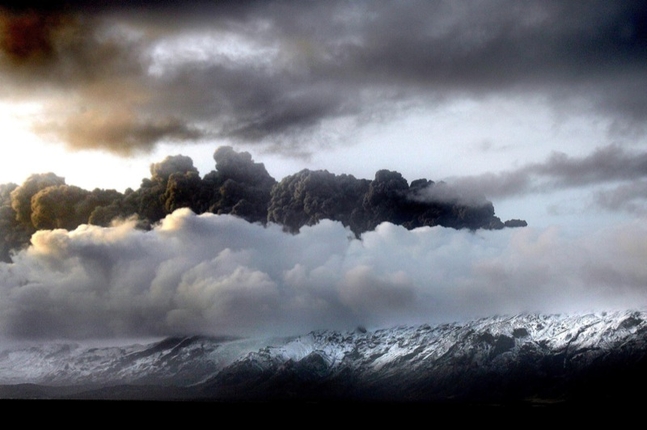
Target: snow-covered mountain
{"x":524,"y":358}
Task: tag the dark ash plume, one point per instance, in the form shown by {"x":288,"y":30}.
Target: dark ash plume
{"x":21,"y":197}
{"x":307,"y":197}
{"x":13,"y":234}
{"x":240,"y":187}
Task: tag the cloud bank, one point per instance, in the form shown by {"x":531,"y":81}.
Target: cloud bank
{"x":125,"y":77}
{"x":218,"y":274}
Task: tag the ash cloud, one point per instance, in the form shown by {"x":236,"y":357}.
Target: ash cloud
{"x":268,"y":72}
{"x":239,"y":186}
{"x":219,"y":274}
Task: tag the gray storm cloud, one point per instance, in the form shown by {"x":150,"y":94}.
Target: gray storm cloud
{"x":219,"y":274}
{"x":126,"y":77}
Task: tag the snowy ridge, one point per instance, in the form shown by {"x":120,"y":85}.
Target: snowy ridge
{"x":494,"y":335}
{"x":508,"y":357}
{"x":523,"y":356}
{"x":179,"y":361}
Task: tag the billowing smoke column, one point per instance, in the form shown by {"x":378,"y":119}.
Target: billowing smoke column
{"x":240,"y":187}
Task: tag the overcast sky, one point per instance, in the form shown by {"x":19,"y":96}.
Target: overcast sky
{"x":539,"y":105}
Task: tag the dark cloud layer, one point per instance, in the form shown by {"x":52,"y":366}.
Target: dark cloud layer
{"x":282,"y":73}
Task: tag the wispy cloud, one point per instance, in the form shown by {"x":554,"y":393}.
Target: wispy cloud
{"x":604,"y":168}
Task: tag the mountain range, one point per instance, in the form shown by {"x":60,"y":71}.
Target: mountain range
{"x":527,"y":359}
